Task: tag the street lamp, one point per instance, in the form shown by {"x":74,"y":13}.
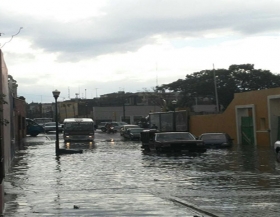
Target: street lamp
{"x":56,"y":95}
{"x":174,"y":103}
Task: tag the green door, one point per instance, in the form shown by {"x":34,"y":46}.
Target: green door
{"x":247,"y":131}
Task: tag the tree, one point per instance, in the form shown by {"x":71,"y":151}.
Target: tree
{"x":235,"y":79}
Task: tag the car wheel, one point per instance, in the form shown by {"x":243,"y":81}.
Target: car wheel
{"x":34,"y":134}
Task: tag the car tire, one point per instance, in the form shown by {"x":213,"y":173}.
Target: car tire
{"x":34,"y":134}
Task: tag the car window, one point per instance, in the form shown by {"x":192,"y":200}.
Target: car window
{"x":136,"y":130}
{"x":214,"y":137}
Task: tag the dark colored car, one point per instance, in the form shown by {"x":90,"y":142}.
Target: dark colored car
{"x":32,"y":128}
{"x":102,"y":126}
{"x":216,"y":140}
{"x":152,"y":140}
{"x":51,"y":126}
{"x":133,"y":133}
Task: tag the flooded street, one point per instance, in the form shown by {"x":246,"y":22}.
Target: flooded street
{"x":115,"y":178}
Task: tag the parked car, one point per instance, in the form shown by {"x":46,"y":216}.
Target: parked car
{"x":216,"y":140}
{"x":133,"y":133}
{"x":42,"y":121}
{"x":125,"y":127}
{"x":51,"y":126}
{"x":152,"y":140}
{"x":277,"y":150}
{"x":101,"y":126}
{"x":118,"y":125}
{"x":32,"y":128}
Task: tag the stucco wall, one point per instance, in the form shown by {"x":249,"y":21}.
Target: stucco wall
{"x":226,"y":122}
{"x":6,"y":131}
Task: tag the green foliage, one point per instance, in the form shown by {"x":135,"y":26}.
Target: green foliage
{"x":236,"y":79}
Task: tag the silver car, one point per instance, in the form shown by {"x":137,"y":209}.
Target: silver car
{"x":51,"y":126}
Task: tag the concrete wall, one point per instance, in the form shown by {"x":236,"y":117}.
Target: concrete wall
{"x":116,"y":113}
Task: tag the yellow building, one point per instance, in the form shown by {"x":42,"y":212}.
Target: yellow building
{"x":67,"y":109}
{"x":251,"y":118}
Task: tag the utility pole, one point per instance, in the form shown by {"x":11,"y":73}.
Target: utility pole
{"x":216,"y":92}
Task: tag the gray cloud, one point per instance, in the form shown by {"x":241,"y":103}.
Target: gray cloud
{"x":128,"y":25}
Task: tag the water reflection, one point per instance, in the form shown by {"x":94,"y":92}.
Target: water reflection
{"x":116,"y":178}
{"x":80,"y":145}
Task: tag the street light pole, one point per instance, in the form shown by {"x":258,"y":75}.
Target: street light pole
{"x":56,"y":95}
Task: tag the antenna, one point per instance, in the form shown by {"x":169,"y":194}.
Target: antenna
{"x":156,"y":76}
{"x":96,"y":91}
{"x":68,"y":93}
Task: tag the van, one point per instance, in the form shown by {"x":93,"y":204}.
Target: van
{"x":78,"y":129}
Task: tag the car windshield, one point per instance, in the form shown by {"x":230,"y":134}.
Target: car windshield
{"x":42,"y":120}
{"x":78,"y":126}
{"x":220,"y":137}
{"x":136,"y":130}
{"x":173,"y":136}
{"x":132,"y":126}
{"x":50,"y":124}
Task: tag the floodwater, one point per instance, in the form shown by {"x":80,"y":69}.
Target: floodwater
{"x":113,"y":177}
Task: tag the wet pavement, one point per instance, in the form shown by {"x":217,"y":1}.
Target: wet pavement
{"x":113,"y":177}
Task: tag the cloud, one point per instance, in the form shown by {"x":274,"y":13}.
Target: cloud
{"x":132,"y":44}
{"x":122,"y":26}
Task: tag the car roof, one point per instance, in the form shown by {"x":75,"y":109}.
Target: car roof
{"x":213,"y":134}
{"x":172,"y":132}
{"x":129,"y":125}
{"x":50,"y":123}
{"x":78,"y":120}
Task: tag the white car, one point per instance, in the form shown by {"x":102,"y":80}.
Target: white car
{"x":277,"y":150}
{"x":118,"y":125}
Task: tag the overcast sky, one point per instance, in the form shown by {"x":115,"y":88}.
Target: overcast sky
{"x":95,"y":47}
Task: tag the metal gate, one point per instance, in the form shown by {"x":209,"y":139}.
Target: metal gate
{"x":247,"y":131}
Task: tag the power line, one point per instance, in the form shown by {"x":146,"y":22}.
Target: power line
{"x":11,"y":37}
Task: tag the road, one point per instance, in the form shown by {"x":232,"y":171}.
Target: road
{"x":113,"y":177}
